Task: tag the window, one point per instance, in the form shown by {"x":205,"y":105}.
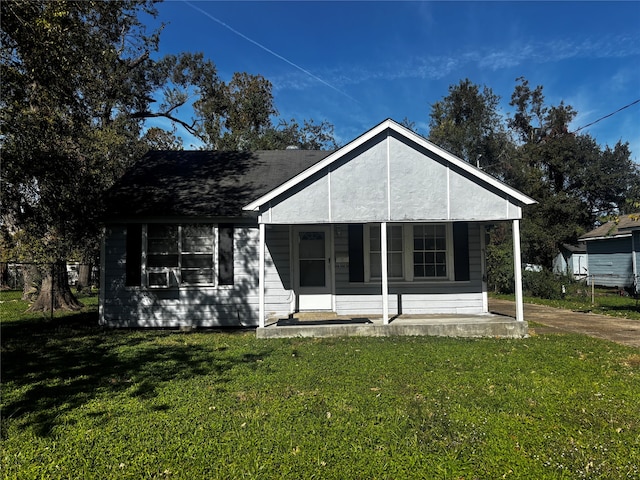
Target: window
{"x":185,"y":255}
{"x":312,"y":259}
{"x":414,"y":252}
{"x":394,"y":251}
{"x":197,"y":266}
{"x":429,"y":251}
{"x":162,"y":255}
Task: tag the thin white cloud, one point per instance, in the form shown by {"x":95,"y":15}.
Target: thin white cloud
{"x":434,"y":67}
{"x":259,"y":45}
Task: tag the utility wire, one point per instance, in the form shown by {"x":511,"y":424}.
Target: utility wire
{"x":606,"y":116}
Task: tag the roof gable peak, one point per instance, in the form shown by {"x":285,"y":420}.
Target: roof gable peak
{"x":408,"y":134}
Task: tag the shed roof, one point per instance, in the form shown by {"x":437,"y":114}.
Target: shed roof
{"x":203,"y":183}
{"x":580,"y":248}
{"x":622,"y":226}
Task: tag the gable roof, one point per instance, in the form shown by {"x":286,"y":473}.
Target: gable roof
{"x":621,"y":227}
{"x":203,"y":183}
{"x":408,"y":134}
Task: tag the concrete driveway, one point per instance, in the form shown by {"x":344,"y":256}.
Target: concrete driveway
{"x":556,"y":320}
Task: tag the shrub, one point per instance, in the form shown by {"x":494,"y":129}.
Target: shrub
{"x":500,"y":262}
{"x":544,"y":284}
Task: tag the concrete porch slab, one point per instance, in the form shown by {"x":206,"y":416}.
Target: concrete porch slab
{"x":331,"y":325}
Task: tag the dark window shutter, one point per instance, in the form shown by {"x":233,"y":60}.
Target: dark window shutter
{"x":133,"y":255}
{"x":461,"y":251}
{"x":225,"y":254}
{"x":356,"y":253}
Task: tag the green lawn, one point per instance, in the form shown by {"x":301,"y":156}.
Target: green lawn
{"x":606,"y":303}
{"x":81,"y":402}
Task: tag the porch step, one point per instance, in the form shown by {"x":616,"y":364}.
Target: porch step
{"x":315,"y":315}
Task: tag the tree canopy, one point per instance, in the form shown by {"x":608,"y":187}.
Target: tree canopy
{"x":573,"y":179}
{"x":81,"y":81}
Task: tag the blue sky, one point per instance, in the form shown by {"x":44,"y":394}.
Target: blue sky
{"x":355,"y":64}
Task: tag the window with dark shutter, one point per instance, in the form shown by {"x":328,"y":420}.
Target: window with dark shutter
{"x":133,"y":255}
{"x":356,"y":253}
{"x":461,"y":250}
{"x":225,"y":254}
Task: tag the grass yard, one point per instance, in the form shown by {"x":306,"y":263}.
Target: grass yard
{"x":607,"y":302}
{"x":81,"y":402}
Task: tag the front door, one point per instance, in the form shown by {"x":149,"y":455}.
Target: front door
{"x":312,"y":267}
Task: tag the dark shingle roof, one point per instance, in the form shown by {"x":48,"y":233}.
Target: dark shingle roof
{"x":203,"y":183}
{"x":623,"y":225}
{"x":580,"y":248}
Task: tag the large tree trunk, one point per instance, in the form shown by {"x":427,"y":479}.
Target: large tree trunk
{"x":30,"y":280}
{"x":84,"y":276}
{"x":4,"y":276}
{"x":55,"y":293}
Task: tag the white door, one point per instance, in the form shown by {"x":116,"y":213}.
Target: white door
{"x":312,"y":267}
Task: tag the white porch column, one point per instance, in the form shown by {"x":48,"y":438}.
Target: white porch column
{"x":385,"y":277}
{"x":261,"y":314}
{"x":517,"y":271}
{"x":483,"y":249}
{"x":634,"y":262}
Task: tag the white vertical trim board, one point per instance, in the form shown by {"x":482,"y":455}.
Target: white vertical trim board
{"x":448,"y":192}
{"x":329,"y":216}
{"x":388,"y":176}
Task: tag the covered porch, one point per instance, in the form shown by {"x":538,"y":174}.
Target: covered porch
{"x":384,"y":237}
{"x":328,"y":299}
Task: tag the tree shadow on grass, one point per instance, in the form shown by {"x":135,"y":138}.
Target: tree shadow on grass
{"x":62,"y":364}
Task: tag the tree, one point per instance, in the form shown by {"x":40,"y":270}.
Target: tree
{"x":240,"y":117}
{"x":466,"y":123}
{"x":611,"y":181}
{"x":573,"y":179}
{"x":78,"y":82}
{"x":159,"y":139}
{"x":288,"y":134}
{"x":409,"y":124}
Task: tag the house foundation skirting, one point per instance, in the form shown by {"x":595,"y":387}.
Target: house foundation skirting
{"x":449,"y":326}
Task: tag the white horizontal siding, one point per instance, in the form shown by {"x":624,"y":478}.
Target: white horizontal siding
{"x":447,"y":297}
{"x":236,"y":305}
{"x":278,"y":291}
{"x":425,"y":303}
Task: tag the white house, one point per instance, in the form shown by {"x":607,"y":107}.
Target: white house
{"x":388,"y":225}
{"x":571,"y":260}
